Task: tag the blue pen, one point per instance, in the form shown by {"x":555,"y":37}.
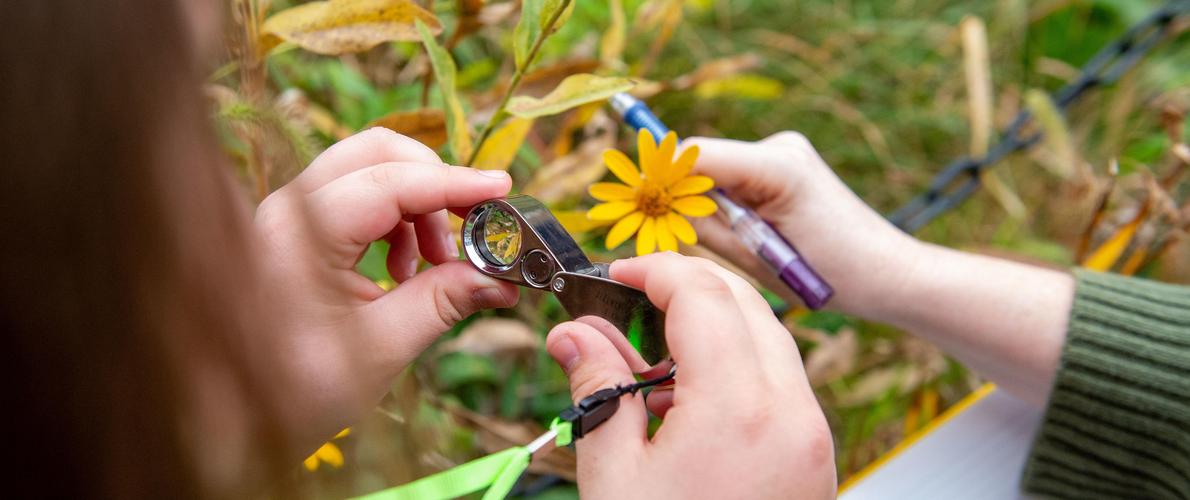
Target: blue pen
{"x":757,"y":235}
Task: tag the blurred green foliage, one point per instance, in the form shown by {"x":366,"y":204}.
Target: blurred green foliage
{"x":876,"y":85}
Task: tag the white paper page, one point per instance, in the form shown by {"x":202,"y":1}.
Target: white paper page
{"x":977,"y":454}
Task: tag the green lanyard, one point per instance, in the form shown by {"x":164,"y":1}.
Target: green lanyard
{"x":497,"y":472}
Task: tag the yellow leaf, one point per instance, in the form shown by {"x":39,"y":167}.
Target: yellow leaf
{"x":1105,"y":257}
{"x":458,"y":133}
{"x":337,"y":27}
{"x":501,"y":148}
{"x":611,"y":46}
{"x":427,"y":126}
{"x":753,"y":87}
{"x":574,"y":91}
{"x":1056,"y":134}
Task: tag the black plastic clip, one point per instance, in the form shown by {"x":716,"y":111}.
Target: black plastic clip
{"x":592,"y":411}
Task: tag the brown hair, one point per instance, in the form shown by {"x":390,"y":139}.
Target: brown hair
{"x":124,"y":263}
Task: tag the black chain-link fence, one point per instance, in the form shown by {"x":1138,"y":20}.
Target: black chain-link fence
{"x":961,"y":178}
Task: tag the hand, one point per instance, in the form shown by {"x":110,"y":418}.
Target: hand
{"x":741,"y":419}
{"x":782,"y":177}
{"x":1006,"y":320}
{"x":343,"y":337}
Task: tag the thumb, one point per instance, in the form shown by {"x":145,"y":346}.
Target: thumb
{"x":592,"y":363}
{"x":403,"y":322}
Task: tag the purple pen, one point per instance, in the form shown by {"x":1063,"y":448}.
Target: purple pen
{"x":757,"y":235}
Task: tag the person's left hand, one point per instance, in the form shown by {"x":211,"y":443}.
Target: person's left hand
{"x":342,"y":337}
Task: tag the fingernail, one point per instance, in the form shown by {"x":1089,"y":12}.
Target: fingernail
{"x":565,"y":352}
{"x":412,"y":269}
{"x":490,"y":297}
{"x":495,"y":174}
{"x":452,"y":246}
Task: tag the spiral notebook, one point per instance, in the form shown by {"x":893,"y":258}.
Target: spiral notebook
{"x":976,"y":450}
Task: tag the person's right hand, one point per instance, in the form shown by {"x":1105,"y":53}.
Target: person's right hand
{"x":784,"y":179}
{"x":741,"y":420}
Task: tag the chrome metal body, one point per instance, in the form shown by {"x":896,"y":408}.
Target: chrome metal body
{"x":549,"y":259}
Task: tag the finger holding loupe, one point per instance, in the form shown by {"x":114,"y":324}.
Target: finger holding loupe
{"x":517,"y":239}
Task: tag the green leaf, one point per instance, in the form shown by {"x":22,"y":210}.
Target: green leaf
{"x":574,"y":91}
{"x":338,"y":27}
{"x":527,"y":30}
{"x":548,"y":10}
{"x":458,"y":133}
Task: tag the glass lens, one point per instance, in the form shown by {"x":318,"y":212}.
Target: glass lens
{"x":502,"y":236}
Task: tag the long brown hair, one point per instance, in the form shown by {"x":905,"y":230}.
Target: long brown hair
{"x":124,"y":257}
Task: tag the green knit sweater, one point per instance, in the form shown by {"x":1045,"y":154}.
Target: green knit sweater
{"x":1118,"y":421}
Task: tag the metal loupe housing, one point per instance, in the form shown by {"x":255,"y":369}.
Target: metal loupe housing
{"x":517,"y":239}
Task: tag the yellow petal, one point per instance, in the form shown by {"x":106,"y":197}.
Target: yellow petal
{"x":330,"y":454}
{"x":311,"y":463}
{"x":611,"y":191}
{"x":342,"y":433}
{"x":661,"y":159}
{"x":695,"y":184}
{"x":622,"y":167}
{"x":611,"y":210}
{"x":681,"y":228}
{"x":646,"y":146}
{"x":682,"y":166}
{"x":694,"y":206}
{"x":624,"y":229}
{"x":646,"y":239}
{"x":665,"y":239}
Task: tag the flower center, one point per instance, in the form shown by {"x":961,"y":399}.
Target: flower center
{"x":653,"y":200}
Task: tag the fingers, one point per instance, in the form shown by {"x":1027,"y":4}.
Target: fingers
{"x":435,"y":237}
{"x":660,"y":400}
{"x":370,"y":147}
{"x":707,"y":333}
{"x":408,"y":318}
{"x":402,"y":256}
{"x":367,"y":204}
{"x":592,"y":362}
{"x":633,"y":358}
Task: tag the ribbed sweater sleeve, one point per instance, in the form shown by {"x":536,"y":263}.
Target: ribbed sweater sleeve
{"x":1117,"y":424}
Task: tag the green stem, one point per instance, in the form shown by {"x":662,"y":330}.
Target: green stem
{"x":500,"y":113}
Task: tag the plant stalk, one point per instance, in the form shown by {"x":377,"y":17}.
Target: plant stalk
{"x":500,"y":113}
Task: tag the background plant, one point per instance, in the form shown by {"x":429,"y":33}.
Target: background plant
{"x":888,"y":91}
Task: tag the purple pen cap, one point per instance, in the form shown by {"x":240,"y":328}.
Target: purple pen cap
{"x":794,"y":272}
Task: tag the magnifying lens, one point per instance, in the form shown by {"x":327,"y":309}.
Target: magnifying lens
{"x":517,"y":239}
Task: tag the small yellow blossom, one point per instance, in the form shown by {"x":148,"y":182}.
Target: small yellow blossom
{"x":329,"y":453}
{"x":652,"y":201}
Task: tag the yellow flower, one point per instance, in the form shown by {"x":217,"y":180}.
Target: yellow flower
{"x":652,"y":201}
{"x":329,"y":453}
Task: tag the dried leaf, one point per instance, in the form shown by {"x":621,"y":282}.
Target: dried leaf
{"x":833,"y":357}
{"x":501,"y":148}
{"x":978,"y":72}
{"x":458,"y":132}
{"x":574,"y":91}
{"x":336,"y":27}
{"x":716,"y":69}
{"x":571,"y":174}
{"x":490,"y":336}
{"x":427,"y":126}
{"x":611,"y":45}
{"x":750,"y":87}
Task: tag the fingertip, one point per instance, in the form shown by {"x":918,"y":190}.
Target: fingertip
{"x":660,"y":400}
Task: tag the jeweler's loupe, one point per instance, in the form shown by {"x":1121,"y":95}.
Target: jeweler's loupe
{"x":517,"y":239}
